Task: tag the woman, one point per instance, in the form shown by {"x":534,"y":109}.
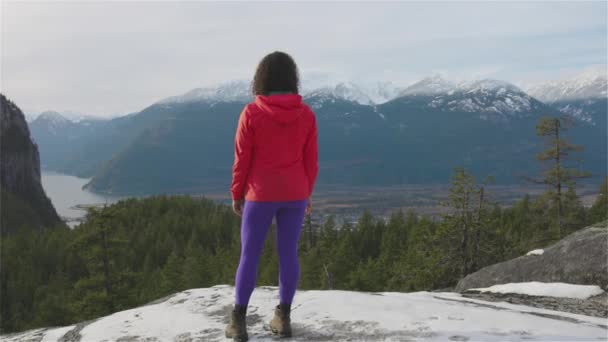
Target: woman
{"x":274,"y":172}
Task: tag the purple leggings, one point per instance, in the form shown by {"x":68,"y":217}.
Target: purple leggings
{"x":257,"y":218}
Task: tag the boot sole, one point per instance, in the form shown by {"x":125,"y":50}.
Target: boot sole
{"x":241,"y":338}
{"x":280,"y":334}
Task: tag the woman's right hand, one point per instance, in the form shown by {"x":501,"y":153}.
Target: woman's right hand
{"x":309,"y":206}
{"x":237,"y":207}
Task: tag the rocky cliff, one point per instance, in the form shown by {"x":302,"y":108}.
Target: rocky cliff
{"x":580,"y":258}
{"x":24,"y":202}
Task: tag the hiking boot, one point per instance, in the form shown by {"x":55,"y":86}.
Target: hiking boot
{"x":237,"y":328}
{"x":281,"y":322}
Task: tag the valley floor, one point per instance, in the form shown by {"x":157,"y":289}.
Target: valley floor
{"x":201,"y":315}
{"x":349,"y":202}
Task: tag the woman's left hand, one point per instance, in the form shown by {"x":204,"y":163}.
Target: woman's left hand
{"x":309,"y":206}
{"x":237,"y":207}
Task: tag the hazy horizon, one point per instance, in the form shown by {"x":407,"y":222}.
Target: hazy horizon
{"x":108,"y":58}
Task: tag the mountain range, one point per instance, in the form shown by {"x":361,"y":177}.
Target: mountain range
{"x":381,"y":136}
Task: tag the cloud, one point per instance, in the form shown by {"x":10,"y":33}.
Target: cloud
{"x":107,"y":58}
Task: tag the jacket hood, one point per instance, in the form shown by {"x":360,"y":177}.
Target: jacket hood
{"x":283,"y":108}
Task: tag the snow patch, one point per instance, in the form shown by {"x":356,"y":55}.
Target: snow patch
{"x":536,"y":252}
{"x":535,"y":288}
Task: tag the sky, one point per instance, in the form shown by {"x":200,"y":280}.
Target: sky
{"x":113,"y":58}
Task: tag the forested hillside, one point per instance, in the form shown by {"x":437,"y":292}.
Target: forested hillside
{"x":139,"y":250}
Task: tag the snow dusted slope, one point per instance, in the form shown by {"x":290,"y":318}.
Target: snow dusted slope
{"x":584,"y":86}
{"x":201,"y":315}
{"x":344,"y":91}
{"x":54,"y":120}
{"x":382,"y":92}
{"x":489,"y":99}
{"x":495,"y":97}
{"x":429,"y":86}
{"x":239,"y":90}
{"x":583,"y":97}
{"x":230,"y":91}
{"x":68,"y":115}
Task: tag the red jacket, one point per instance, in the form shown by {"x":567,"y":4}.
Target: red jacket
{"x":275,"y":150}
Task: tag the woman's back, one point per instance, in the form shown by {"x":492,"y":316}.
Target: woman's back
{"x":275,"y":150}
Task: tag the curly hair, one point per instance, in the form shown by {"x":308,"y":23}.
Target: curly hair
{"x":277,"y":71}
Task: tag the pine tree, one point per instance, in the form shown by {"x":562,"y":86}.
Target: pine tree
{"x":172,"y":274}
{"x":459,"y":223}
{"x":480,"y":224}
{"x":574,"y":212}
{"x":599,"y":210}
{"x":558,"y":174}
{"x":426,"y":264}
{"x":327,"y":244}
{"x":107,"y":286}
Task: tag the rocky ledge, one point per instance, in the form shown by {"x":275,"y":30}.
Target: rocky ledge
{"x":596,"y":306}
{"x":579,"y":258}
{"x":201,"y":315}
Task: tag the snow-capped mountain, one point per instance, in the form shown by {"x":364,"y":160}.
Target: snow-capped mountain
{"x":582,"y":87}
{"x":347,"y":91}
{"x":382,"y":92}
{"x":78,"y":116}
{"x":429,"y":86}
{"x":493,"y":96}
{"x":53,"y":121}
{"x":237,"y":90}
{"x":491,"y":99}
{"x":201,"y":315}
{"x":583,"y":97}
{"x":30,"y":116}
{"x":240,"y":90}
{"x":579,"y":111}
{"x":69,"y":115}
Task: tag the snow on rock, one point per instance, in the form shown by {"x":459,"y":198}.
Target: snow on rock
{"x":201,"y":315}
{"x":577,"y":112}
{"x":536,"y":252}
{"x":536,"y":288}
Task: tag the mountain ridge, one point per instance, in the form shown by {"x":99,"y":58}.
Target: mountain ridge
{"x":459,"y":125}
{"x":582,"y":86}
